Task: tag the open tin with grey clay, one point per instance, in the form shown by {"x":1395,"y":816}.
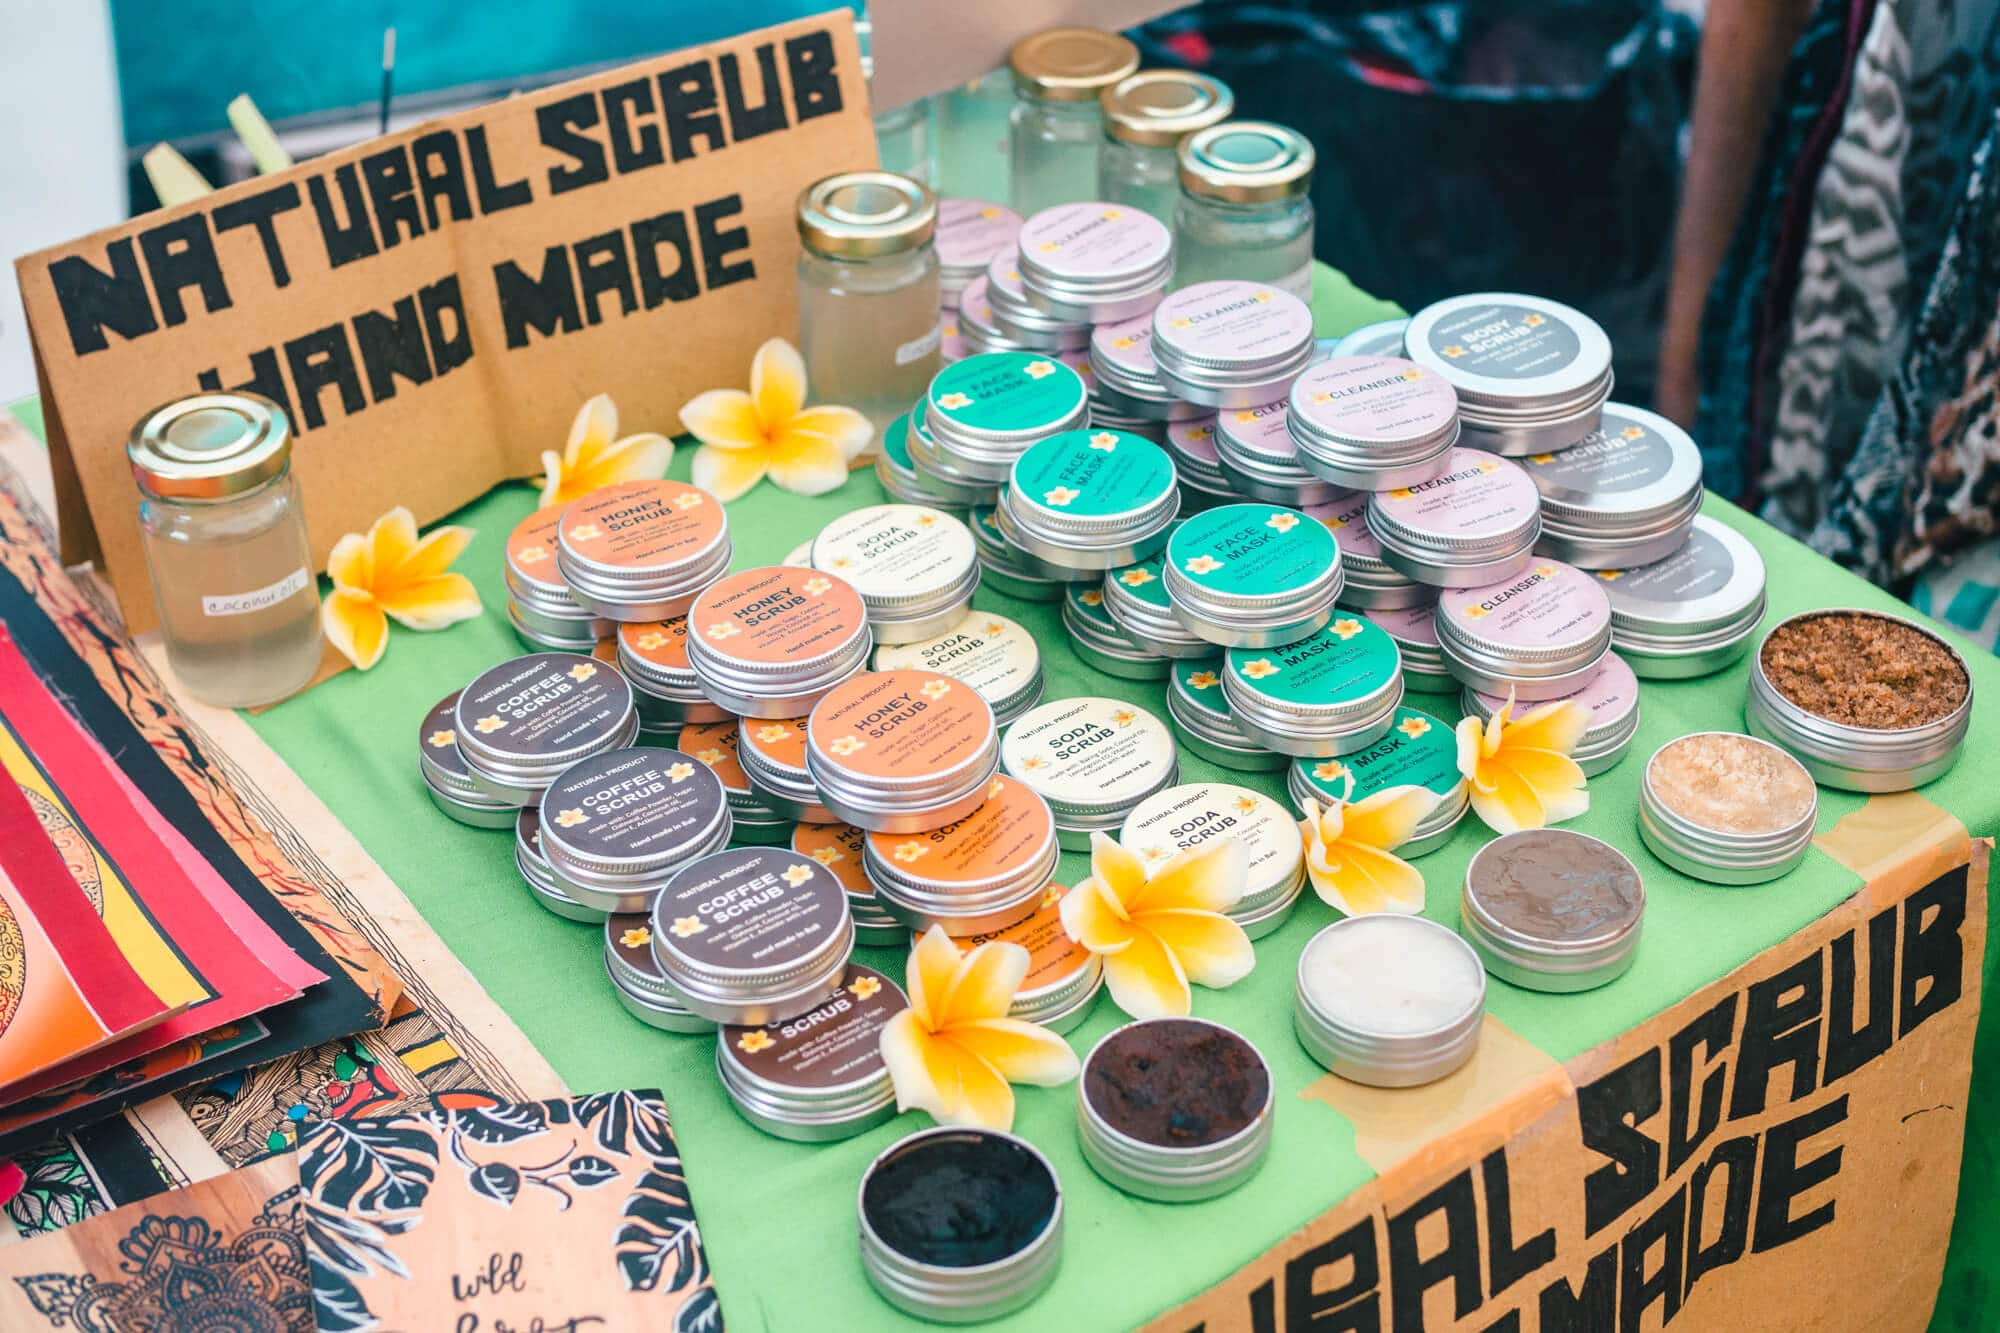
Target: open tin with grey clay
{"x":1552,"y":910}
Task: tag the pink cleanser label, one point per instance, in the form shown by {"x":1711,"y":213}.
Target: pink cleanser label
{"x":1478,"y":495}
{"x":1610,"y":696}
{"x":1551,"y":605}
{"x":1079,"y":361}
{"x":1260,"y":430}
{"x":1095,"y":240}
{"x":1128,"y":343}
{"x":1346,"y":516}
{"x":971,"y":231}
{"x":1194,"y":438}
{"x":1004,"y":274}
{"x":1417,"y":624}
{"x":1225,"y":321}
{"x":1374,"y":399}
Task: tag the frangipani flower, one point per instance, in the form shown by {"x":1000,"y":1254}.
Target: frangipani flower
{"x":1350,"y":850}
{"x":770,"y":430}
{"x":595,"y":456}
{"x":1520,"y":770}
{"x":1156,"y":935}
{"x":954,"y":1051}
{"x":387,"y":572}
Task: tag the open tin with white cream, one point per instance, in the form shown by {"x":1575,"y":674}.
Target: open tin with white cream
{"x":902,"y":751}
{"x":1388,"y":1000}
{"x":520,"y":724}
{"x":1540,"y":634}
{"x":1692,"y":613}
{"x":914,"y":568}
{"x":1199,"y":712}
{"x":1418,"y":750}
{"x":1626,"y":496}
{"x":1092,"y":759}
{"x":1093,"y":262}
{"x":1088,"y":500}
{"x":1191,"y":815}
{"x":767,"y":643}
{"x":819,"y":1076}
{"x":1474,"y":523}
{"x":1252,"y":575}
{"x":615,"y":827}
{"x":1531,"y":374}
{"x":1372,"y":423}
{"x":1329,"y":694}
{"x":1726,"y":808}
{"x":1231,"y":344}
{"x":641,"y":550}
{"x":977,"y":874}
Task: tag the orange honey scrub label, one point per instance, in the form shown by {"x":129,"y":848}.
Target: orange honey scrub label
{"x":714,"y":744}
{"x":838,"y":847}
{"x":660,"y":643}
{"x":1054,"y":959}
{"x":780,"y":742}
{"x":835,"y":1045}
{"x":640,"y":524}
{"x":531,"y":551}
{"x":901,"y":725}
{"x":606,"y":650}
{"x":1008,"y":833}
{"x":778,"y":615}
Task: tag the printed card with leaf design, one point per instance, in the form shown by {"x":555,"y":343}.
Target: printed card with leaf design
{"x":568,"y":1214}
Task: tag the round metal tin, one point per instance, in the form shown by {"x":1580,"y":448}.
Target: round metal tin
{"x":1095,"y":263}
{"x":970,"y":234}
{"x":1474,"y":523}
{"x":636,"y":980}
{"x":1415,"y":633}
{"x":769,"y":642}
{"x":535,"y":872}
{"x":538,"y":597}
{"x":1097,"y":639}
{"x":841,"y":848}
{"x":1418,"y":750}
{"x":1135,"y":597}
{"x":994,"y":655}
{"x":1258,"y":457}
{"x":1092,"y":759}
{"x":977,"y":874}
{"x":520,"y":724}
{"x":1252,"y":575}
{"x":1626,"y":496}
{"x":1190,"y":815}
{"x":1007,"y":570}
{"x":900,"y":476}
{"x":444,"y":773}
{"x":985,"y":411}
{"x":641,"y":550}
{"x":1329,"y":694}
{"x":1122,"y":356}
{"x":901,"y":751}
{"x":1087,"y":500}
{"x":772,"y":752}
{"x":1531,"y":374}
{"x":1540,"y":634}
{"x":1191,"y":444}
{"x":715,"y":745}
{"x":1063,"y":976}
{"x":914,"y":567}
{"x":1400,"y":1022}
{"x":653,"y":657}
{"x":1201,"y":719}
{"x":1384,"y":338}
{"x":1231,"y":344}
{"x":1719,"y":855}
{"x":615,"y":827}
{"x":1017,"y":323}
{"x":1610,"y":696}
{"x":817,"y":1077}
{"x":1552,"y":910}
{"x":1372,"y":423}
{"x":1692,"y":613}
{"x":1176,"y":1173}
{"x":1367,"y":581}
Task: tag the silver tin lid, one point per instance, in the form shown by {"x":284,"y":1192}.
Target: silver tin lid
{"x":1552,"y":910}
{"x":993,"y":654}
{"x":1372,"y":412}
{"x":528,"y":719}
{"x":1482,"y":507}
{"x":636,"y":814}
{"x":1383,"y":338}
{"x":1018,"y":321}
{"x":1090,"y":253}
{"x":1389,"y":1000}
{"x":991,"y":407}
{"x":1091,"y":758}
{"x":640,"y":541}
{"x":906,"y":561}
{"x":1637,"y":470}
{"x":970,"y":233}
{"x":1231,"y":334}
{"x":1259,"y":561}
{"x":1551,"y":620}
{"x":1610,"y":696}
{"x":1192,"y":814}
{"x":1513,"y":359}
{"x":904,"y":741}
{"x":968,"y":481}
{"x":1122,"y":356}
{"x":896,"y":468}
{"x":776,"y":636}
{"x":817,"y":1076}
{"x":1347,"y":673}
{"x":752,"y":929}
{"x":1711,"y":584}
{"x":438,"y":759}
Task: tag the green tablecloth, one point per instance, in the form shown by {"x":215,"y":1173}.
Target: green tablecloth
{"x":778,"y":1218}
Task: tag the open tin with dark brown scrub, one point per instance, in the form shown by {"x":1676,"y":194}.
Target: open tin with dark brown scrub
{"x":1174,"y":1109}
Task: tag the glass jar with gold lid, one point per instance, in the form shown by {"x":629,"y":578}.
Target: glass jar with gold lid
{"x":1056,"y":125}
{"x":1145,"y":118}
{"x":225,"y":541}
{"x":868,"y":291}
{"x":1245,"y":210}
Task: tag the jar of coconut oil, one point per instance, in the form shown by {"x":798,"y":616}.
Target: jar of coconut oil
{"x":1056,"y":125}
{"x":868,"y":291}
{"x":1244,"y":210}
{"x":225,"y":541}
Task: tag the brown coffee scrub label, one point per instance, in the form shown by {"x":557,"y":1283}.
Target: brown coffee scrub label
{"x":542,"y":706}
{"x":629,"y":937}
{"x":754,"y":909}
{"x":641,"y":803}
{"x":437,"y":736}
{"x":836,"y":1045}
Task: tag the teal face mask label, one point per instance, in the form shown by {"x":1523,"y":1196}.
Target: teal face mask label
{"x":1348,"y":661}
{"x":1094,"y":473}
{"x":1087,"y":600}
{"x":1199,"y":681}
{"x":1419,"y":751}
{"x":1006,"y":392}
{"x":1142,"y":582}
{"x":1252,"y":550}
{"x":896,"y":444}
{"x":1506,"y":342}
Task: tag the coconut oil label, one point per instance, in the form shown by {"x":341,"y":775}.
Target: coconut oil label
{"x":838,"y":847}
{"x":901,"y":725}
{"x":1622,"y":456}
{"x":257,"y":599}
{"x":1375,"y":399}
{"x":1004,"y":837}
{"x":1478,"y":495}
{"x":895,"y":551}
{"x":1252,"y":550}
{"x":1005,"y":392}
{"x":777,"y":615}
{"x":1198,"y":680}
{"x":642,"y":523}
{"x":832,"y":1045}
{"x":994,"y":655}
{"x":542,"y":706}
{"x":1505,"y":341}
{"x":1231,"y":321}
{"x":1142,"y":582}
{"x":757,"y":909}
{"x":1089,"y":752}
{"x":1348,"y":661}
{"x":1198,"y":813}
{"x":1094,"y":240}
{"x":1419,"y":751}
{"x":1550,"y":605}
{"x":645,"y":802}
{"x":1094,"y":474}
{"x":919,"y":347}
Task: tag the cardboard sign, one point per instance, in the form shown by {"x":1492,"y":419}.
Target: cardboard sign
{"x":1779,"y":1150}
{"x":431,"y":307}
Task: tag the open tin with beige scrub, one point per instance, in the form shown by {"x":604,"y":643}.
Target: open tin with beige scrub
{"x":1329,"y":694}
{"x":959,"y":1226}
{"x":1726,"y":808}
{"x":636,"y":980}
{"x":1610,"y":696}
{"x":641,"y":550}
{"x":1190,"y":815}
{"x":1092,"y":759}
{"x":1417,"y":751}
{"x":1626,"y":496}
{"x":767,"y":643}
{"x":1135,"y":597}
{"x":752,"y":935}
{"x":1415,"y":633}
{"x":653,"y":656}
{"x":970,"y":234}
{"x":1231,"y":344}
{"x":451,"y":789}
{"x":897,"y":470}
{"x":994,"y":655}
{"x":902,"y":751}
{"x":1540,"y":634}
{"x":1087,"y":500}
{"x":977,"y":874}
{"x":1252,"y":575}
{"x":772,"y":752}
{"x":1063,"y":977}
{"x":1007,"y":570}
{"x":1380,"y":339}
{"x":1093,"y":262}
{"x":818,"y":1076}
{"x":1389,"y":1000}
{"x":1531,"y":374}
{"x":915,"y":568}
{"x":984,"y":412}
{"x":520,"y":724}
{"x":1200,"y":716}
{"x":841,"y":848}
{"x":1367,"y":582}
{"x":1552,"y":910}
{"x":1866,"y":701}
{"x":716,"y":746}
{"x":1174,"y":1109}
{"x":1018,"y":323}
{"x":539,"y":605}
{"x":1692,"y":613}
{"x":1474,"y":523}
{"x":1101,"y":642}
{"x":1372,"y":423}
{"x":615,"y":827}
{"x":1258,"y":458}
{"x":535,"y":871}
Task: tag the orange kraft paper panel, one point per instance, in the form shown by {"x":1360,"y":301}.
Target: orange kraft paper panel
{"x":1778,"y":1151}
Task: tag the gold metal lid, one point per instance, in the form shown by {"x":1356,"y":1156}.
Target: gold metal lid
{"x":1159,"y":107}
{"x":210,"y":446}
{"x":1246,"y":162}
{"x":1071,"y":64}
{"x":866,"y":214}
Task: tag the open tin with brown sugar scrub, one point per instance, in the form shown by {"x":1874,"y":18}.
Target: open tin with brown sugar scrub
{"x":520,"y":724}
{"x":959,"y":1226}
{"x":1552,"y":910}
{"x":767,"y":643}
{"x":617,"y":826}
{"x":818,"y":1076}
{"x":1866,"y":701}
{"x":977,"y":874}
{"x":1174,"y":1109}
{"x":636,"y":979}
{"x":752,"y":935}
{"x":1063,"y":976}
{"x":641,"y":550}
{"x":1726,"y":808}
